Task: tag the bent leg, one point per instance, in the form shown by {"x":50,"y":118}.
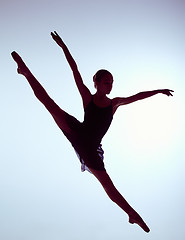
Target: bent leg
{"x":58,"y":114}
{"x":116,"y":197}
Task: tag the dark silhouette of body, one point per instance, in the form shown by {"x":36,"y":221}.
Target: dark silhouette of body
{"x":85,"y":140}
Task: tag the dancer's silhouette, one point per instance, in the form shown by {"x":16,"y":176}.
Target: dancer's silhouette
{"x":86,"y":137}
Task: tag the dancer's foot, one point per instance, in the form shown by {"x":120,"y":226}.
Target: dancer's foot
{"x":22,"y":68}
{"x":135,"y":218}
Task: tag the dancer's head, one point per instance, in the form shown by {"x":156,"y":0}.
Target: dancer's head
{"x":103,"y":81}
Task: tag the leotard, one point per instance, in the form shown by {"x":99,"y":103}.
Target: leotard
{"x":86,"y":136}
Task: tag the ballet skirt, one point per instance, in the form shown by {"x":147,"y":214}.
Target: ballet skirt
{"x":86,"y":136}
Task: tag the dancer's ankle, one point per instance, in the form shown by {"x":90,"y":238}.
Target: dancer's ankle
{"x":24,"y":71}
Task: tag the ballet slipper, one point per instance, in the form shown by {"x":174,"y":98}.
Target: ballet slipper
{"x":138,"y":220}
{"x":22,"y":68}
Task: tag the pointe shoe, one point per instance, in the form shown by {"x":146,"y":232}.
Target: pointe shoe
{"x":15,"y":56}
{"x":140,"y":222}
{"x":22,"y":68}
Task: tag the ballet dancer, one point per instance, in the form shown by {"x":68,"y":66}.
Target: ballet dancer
{"x":86,"y":136}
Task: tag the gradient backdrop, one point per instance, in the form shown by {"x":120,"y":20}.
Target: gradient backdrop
{"x":43,"y":194}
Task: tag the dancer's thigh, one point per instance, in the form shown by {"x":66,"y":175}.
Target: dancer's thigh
{"x":59,"y":115}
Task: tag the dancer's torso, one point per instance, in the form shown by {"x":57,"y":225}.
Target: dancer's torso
{"x":96,"y":122}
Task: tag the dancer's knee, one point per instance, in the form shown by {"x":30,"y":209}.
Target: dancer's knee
{"x":111,"y":192}
{"x":106,"y":183}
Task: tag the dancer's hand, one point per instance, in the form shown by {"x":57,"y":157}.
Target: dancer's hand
{"x":57,"y":39}
{"x":167,"y":92}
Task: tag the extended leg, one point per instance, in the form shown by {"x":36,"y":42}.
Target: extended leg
{"x":116,"y":197}
{"x":57,"y":113}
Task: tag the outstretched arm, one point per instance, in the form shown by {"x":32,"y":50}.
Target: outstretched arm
{"x":139,"y":96}
{"x":84,"y":91}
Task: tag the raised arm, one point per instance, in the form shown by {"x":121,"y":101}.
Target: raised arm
{"x":84,"y":91}
{"x":139,"y":96}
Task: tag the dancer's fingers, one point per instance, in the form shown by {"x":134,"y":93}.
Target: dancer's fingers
{"x":56,"y":34}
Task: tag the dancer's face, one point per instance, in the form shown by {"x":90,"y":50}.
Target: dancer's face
{"x":105,"y":84}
